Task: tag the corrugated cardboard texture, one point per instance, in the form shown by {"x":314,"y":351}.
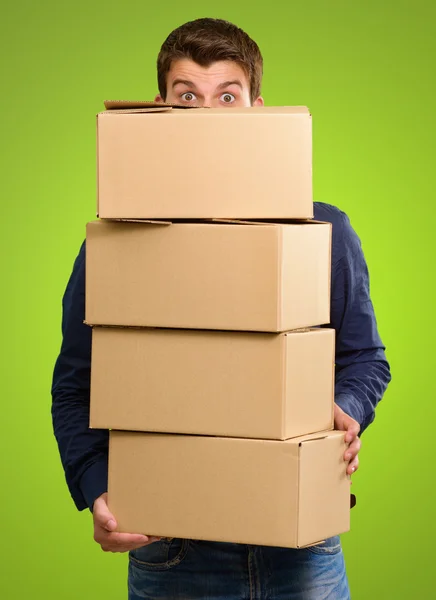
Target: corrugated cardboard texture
{"x":205,"y":163}
{"x":208,"y":276}
{"x":231,"y":490}
{"x":253,"y":385}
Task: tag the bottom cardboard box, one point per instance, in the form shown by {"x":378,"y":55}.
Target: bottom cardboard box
{"x":290,"y":493}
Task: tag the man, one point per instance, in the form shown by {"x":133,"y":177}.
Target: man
{"x":212,"y":63}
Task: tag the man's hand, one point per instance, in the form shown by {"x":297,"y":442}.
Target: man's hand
{"x":343,"y":422}
{"x":105,"y":534}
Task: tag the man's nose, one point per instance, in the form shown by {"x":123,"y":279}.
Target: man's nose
{"x":207,"y":103}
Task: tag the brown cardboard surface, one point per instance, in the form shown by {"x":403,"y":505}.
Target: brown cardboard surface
{"x":276,"y":493}
{"x":253,"y":385}
{"x":155,"y":162}
{"x":208,"y":276}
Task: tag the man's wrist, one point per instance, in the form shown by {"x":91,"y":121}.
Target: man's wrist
{"x":94,"y":482}
{"x":351,"y":406}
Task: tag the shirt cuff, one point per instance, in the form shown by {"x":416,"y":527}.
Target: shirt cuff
{"x":351,"y":406}
{"x":94,"y":482}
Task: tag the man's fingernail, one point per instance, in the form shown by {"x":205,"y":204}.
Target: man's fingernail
{"x":110,"y":524}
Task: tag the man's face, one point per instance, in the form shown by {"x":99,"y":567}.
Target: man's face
{"x":222,"y":84}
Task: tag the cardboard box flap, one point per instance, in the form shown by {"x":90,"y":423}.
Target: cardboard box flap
{"x":265,"y":221}
{"x":320,"y":435}
{"x":128,"y":111}
{"x":105,"y":222}
{"x":303,"y":330}
{"x":119,"y":104}
{"x":312,"y":545}
{"x":279,"y":221}
{"x":147,"y":221}
{"x":140,"y":106}
{"x":312,"y":437}
{"x":149,"y":105}
{"x":217,"y":221}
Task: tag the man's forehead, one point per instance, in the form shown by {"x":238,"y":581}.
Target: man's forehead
{"x":217,"y":73}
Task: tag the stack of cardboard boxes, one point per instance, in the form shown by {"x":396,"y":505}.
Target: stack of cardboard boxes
{"x":206,"y":283}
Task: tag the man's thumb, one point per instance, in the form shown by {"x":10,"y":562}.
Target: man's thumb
{"x":103,"y":516}
{"x":111,"y":524}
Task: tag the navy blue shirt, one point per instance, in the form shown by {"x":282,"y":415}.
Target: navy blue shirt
{"x":361,"y":375}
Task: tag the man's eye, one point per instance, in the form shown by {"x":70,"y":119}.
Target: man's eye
{"x":188,"y":97}
{"x":227,"y":98}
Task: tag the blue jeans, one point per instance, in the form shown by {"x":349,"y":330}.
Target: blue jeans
{"x":192,"y":570}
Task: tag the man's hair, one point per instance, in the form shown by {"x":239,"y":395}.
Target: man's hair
{"x":206,"y":41}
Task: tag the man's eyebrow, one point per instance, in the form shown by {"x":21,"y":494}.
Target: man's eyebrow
{"x":186,"y":82}
{"x":229,"y":83}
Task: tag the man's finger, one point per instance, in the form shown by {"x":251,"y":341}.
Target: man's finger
{"x":125,"y":544}
{"x":353,"y":449}
{"x":103,"y":537}
{"x":353,"y":429}
{"x":353,"y":466}
{"x":121,"y":539}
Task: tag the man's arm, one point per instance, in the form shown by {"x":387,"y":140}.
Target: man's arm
{"x":84,"y":451}
{"x":362,"y":371}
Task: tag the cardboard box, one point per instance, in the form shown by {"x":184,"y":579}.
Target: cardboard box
{"x":252,"y":277}
{"x":251,"y":385}
{"x":276,"y":493}
{"x":161,"y":162}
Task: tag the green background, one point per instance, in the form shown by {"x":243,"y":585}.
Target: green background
{"x":366,"y":70}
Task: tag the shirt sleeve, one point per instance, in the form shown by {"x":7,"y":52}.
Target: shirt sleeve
{"x":362,"y":372}
{"x":83,"y":451}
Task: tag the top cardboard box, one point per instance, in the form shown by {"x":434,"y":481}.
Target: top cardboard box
{"x":160,"y":162}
